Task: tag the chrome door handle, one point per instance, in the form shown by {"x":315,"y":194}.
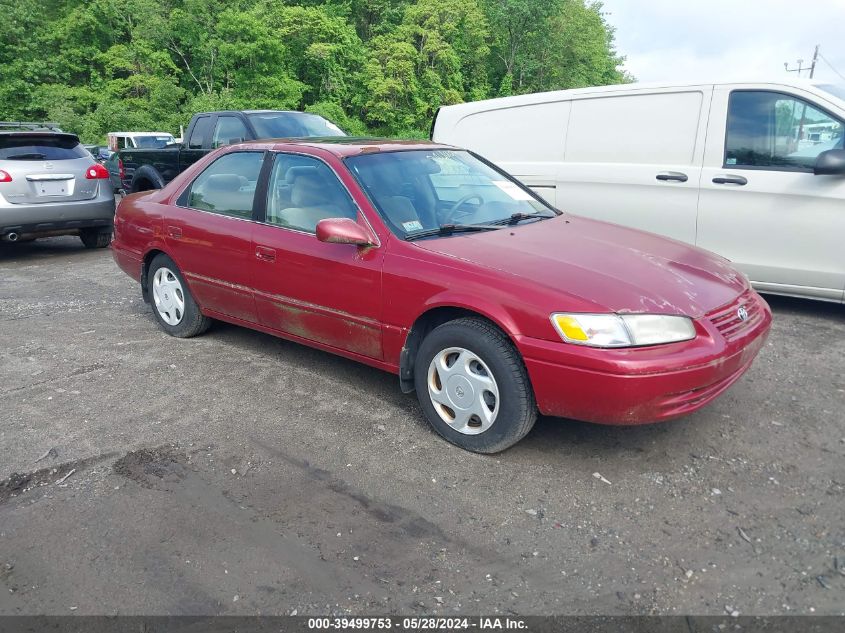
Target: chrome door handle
{"x":174,"y":232}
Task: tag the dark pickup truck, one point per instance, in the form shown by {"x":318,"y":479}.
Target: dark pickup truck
{"x":142,"y":169}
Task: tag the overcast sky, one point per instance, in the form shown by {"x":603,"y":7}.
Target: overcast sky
{"x":727,"y":39}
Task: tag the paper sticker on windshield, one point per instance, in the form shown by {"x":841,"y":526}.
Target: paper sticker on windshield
{"x":414,"y":225}
{"x":512,"y":190}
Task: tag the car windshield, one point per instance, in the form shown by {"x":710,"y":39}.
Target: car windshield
{"x":153,"y":142}
{"x":292,"y":125}
{"x":40,"y":147}
{"x":421,"y":190}
{"x":837,"y":90}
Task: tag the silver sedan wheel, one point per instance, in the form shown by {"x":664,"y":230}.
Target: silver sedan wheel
{"x":463,"y":390}
{"x":168,"y":296}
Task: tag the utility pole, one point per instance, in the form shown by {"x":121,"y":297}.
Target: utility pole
{"x":801,"y":68}
{"x":800,"y":133}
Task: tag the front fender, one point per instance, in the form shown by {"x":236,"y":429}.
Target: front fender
{"x":493,"y":311}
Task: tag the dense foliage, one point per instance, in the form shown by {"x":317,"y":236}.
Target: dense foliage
{"x":381,"y":66}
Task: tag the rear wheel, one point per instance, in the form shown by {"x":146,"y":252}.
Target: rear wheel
{"x":95,"y":238}
{"x":473,"y":386}
{"x":173,"y":306}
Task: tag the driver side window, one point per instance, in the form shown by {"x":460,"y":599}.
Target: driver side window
{"x":304,"y":190}
{"x":778,"y":131}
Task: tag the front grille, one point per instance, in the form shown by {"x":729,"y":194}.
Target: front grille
{"x":727,"y":319}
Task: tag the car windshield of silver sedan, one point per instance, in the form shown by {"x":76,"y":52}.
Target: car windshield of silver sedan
{"x":428,"y":193}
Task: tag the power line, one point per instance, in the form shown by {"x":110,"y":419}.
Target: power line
{"x":824,"y":59}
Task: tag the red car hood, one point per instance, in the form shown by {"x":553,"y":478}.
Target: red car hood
{"x":614,"y":267}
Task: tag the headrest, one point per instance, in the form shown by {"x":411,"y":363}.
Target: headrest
{"x":224,"y":182}
{"x":295,"y":172}
{"x":309,"y":190}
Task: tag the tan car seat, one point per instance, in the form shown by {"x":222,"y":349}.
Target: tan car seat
{"x":313,"y":198}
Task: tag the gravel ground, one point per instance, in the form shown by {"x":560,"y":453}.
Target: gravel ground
{"x":237,"y":473}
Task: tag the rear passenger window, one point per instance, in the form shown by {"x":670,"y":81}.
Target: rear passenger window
{"x":303,"y":191}
{"x":770,"y":129}
{"x":200,"y":133}
{"x":227,"y":186}
{"x":639,"y":129}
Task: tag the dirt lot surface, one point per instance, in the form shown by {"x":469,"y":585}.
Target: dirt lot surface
{"x":236,"y":473}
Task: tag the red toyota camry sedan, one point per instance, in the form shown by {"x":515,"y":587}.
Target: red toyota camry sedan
{"x":429,"y":262}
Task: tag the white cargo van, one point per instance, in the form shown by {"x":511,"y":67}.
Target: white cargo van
{"x":753,"y":171}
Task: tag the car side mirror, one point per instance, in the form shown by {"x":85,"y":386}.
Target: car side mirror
{"x":342,"y":231}
{"x":830,"y":163}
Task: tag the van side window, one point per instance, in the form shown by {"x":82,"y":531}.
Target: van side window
{"x":771,"y":129}
{"x":201,"y":131}
{"x":227,"y":186}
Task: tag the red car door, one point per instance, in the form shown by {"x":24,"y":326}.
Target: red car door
{"x":209,"y":234}
{"x":322,"y":292}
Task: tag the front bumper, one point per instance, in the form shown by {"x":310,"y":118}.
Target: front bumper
{"x":649,"y":384}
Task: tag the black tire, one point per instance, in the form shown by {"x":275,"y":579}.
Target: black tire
{"x":192,"y":322}
{"x":517,"y":406}
{"x":95,"y":238}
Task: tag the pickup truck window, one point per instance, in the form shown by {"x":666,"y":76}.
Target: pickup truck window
{"x":153,"y":142}
{"x":227,"y":186}
{"x":292,"y":125}
{"x":778,"y":131}
{"x":229,"y":129}
{"x":201,"y":131}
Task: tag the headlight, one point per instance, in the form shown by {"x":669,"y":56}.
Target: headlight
{"x":622,"y":330}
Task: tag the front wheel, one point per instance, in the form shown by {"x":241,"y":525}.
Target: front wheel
{"x":173,"y":306}
{"x":473,"y":386}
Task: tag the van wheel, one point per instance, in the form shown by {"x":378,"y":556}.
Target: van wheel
{"x":95,"y":238}
{"x":473,"y":386}
{"x":173,"y":306}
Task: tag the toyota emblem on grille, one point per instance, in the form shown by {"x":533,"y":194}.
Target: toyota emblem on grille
{"x":742,"y":313}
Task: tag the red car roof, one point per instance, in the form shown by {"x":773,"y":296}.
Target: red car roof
{"x":343,"y":146}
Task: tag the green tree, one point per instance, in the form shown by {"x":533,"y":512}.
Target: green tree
{"x":381,"y":66}
{"x":436,"y":56}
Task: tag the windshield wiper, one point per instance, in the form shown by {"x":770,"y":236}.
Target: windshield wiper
{"x":516,"y":218}
{"x":448,"y":229}
{"x":31,"y":156}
